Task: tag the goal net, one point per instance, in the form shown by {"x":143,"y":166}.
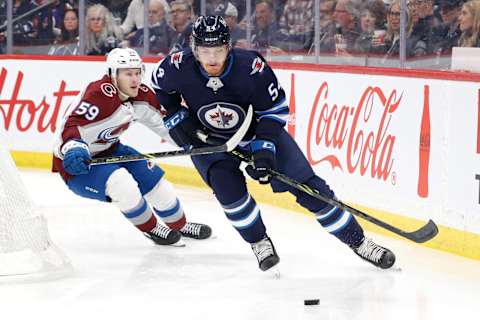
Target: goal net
{"x":25,"y":244}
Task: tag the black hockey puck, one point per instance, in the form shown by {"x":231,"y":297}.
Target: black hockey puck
{"x":311,"y":302}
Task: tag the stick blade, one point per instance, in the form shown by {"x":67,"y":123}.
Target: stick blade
{"x":425,"y":233}
{"x":238,"y":136}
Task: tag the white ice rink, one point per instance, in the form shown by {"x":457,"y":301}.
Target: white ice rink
{"x":119,"y":274}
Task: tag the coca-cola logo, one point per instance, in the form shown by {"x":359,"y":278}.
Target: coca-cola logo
{"x":26,"y":114}
{"x":353,"y":138}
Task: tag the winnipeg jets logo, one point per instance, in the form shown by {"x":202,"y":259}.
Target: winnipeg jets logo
{"x":221,"y":117}
{"x":257,"y":65}
{"x":176,"y":59}
{"x":111,"y":135}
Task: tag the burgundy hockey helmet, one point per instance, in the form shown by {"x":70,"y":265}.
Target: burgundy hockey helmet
{"x":210,"y":31}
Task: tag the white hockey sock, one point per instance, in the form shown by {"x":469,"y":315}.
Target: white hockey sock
{"x":163,"y":199}
{"x":122,"y":188}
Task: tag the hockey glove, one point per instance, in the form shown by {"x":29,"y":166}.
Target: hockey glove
{"x":263,"y":152}
{"x":76,"y":159}
{"x":182,"y":128}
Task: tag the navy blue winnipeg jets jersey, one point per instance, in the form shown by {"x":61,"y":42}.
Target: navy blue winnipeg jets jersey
{"x":220,"y":103}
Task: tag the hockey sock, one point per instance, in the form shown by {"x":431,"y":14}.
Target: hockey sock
{"x":164,"y":200}
{"x":141,"y":216}
{"x":123,"y":191}
{"x":341,"y":224}
{"x":337,"y":222}
{"x":173,"y":216}
{"x":245,"y":217}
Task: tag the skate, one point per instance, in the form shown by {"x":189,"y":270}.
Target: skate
{"x":164,"y":236}
{"x":378,"y":256}
{"x":196,"y":231}
{"x":265,"y":252}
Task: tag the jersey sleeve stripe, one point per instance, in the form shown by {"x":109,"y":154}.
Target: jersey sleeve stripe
{"x":278,"y":108}
{"x":282,"y":118}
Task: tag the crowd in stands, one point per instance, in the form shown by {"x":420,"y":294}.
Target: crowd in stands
{"x":347,"y":27}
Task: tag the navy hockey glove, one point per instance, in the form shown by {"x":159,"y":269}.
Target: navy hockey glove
{"x":76,"y":159}
{"x":182,"y":128}
{"x":263,"y":159}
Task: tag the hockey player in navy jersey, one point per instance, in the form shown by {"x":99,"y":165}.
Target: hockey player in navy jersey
{"x":92,"y":127}
{"x":218,"y":84}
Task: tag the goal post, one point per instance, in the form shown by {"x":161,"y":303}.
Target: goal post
{"x":25,"y":244}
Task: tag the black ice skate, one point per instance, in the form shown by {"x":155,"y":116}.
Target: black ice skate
{"x":164,"y":236}
{"x":196,"y":231}
{"x":265,"y":252}
{"x":378,"y":256}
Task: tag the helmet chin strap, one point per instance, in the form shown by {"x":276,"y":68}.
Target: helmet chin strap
{"x":123,"y":96}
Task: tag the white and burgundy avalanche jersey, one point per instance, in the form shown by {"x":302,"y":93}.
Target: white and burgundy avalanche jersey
{"x":99,"y":117}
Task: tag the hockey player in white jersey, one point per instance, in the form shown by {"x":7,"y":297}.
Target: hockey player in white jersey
{"x":92,"y":127}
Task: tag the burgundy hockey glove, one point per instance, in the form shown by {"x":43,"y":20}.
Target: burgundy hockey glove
{"x":263,"y":152}
{"x":182,"y":128}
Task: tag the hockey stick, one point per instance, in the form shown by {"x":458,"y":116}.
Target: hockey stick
{"x":189,"y":151}
{"x":421,"y":235}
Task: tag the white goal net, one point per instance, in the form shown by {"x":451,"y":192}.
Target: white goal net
{"x":25,"y":244}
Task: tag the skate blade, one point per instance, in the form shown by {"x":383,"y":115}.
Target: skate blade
{"x":274,"y":272}
{"x":213,"y":236}
{"x":179,"y":243}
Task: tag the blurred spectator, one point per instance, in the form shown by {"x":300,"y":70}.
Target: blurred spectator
{"x":161,"y":34}
{"x":424,"y":22}
{"x":23,"y":30}
{"x":372,"y":26}
{"x":218,"y":7}
{"x":346,"y":15}
{"x":297,"y":17}
{"x":43,"y":25}
{"x":470,"y":24}
{"x":414,"y":46}
{"x":327,"y":29}
{"x":447,"y":34}
{"x":134,"y":18}
{"x":231,"y":16}
{"x":266,"y":35}
{"x":102,"y":34}
{"x":58,"y":12}
{"x":67,"y":42}
{"x":297,"y":22}
{"x":182,"y":23}
{"x":118,"y":8}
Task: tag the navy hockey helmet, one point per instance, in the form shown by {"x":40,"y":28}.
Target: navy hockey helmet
{"x":210,"y":31}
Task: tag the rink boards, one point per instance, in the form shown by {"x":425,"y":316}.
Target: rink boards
{"x":402,"y":145}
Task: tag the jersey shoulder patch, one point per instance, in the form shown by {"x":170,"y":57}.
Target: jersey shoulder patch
{"x":257,"y":66}
{"x":101,"y":88}
{"x":147,"y":95}
{"x":250,"y":60}
{"x":102,"y":93}
{"x":176,"y":59}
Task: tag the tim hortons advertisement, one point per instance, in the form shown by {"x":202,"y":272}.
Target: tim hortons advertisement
{"x":404,"y":145}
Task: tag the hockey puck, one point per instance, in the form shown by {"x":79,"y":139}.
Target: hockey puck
{"x":311,"y":302}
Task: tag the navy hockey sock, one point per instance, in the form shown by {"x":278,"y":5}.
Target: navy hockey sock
{"x":341,"y":224}
{"x":245,"y":217}
{"x":336,"y":221}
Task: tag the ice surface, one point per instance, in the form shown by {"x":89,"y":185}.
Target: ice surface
{"x":120,"y":274}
